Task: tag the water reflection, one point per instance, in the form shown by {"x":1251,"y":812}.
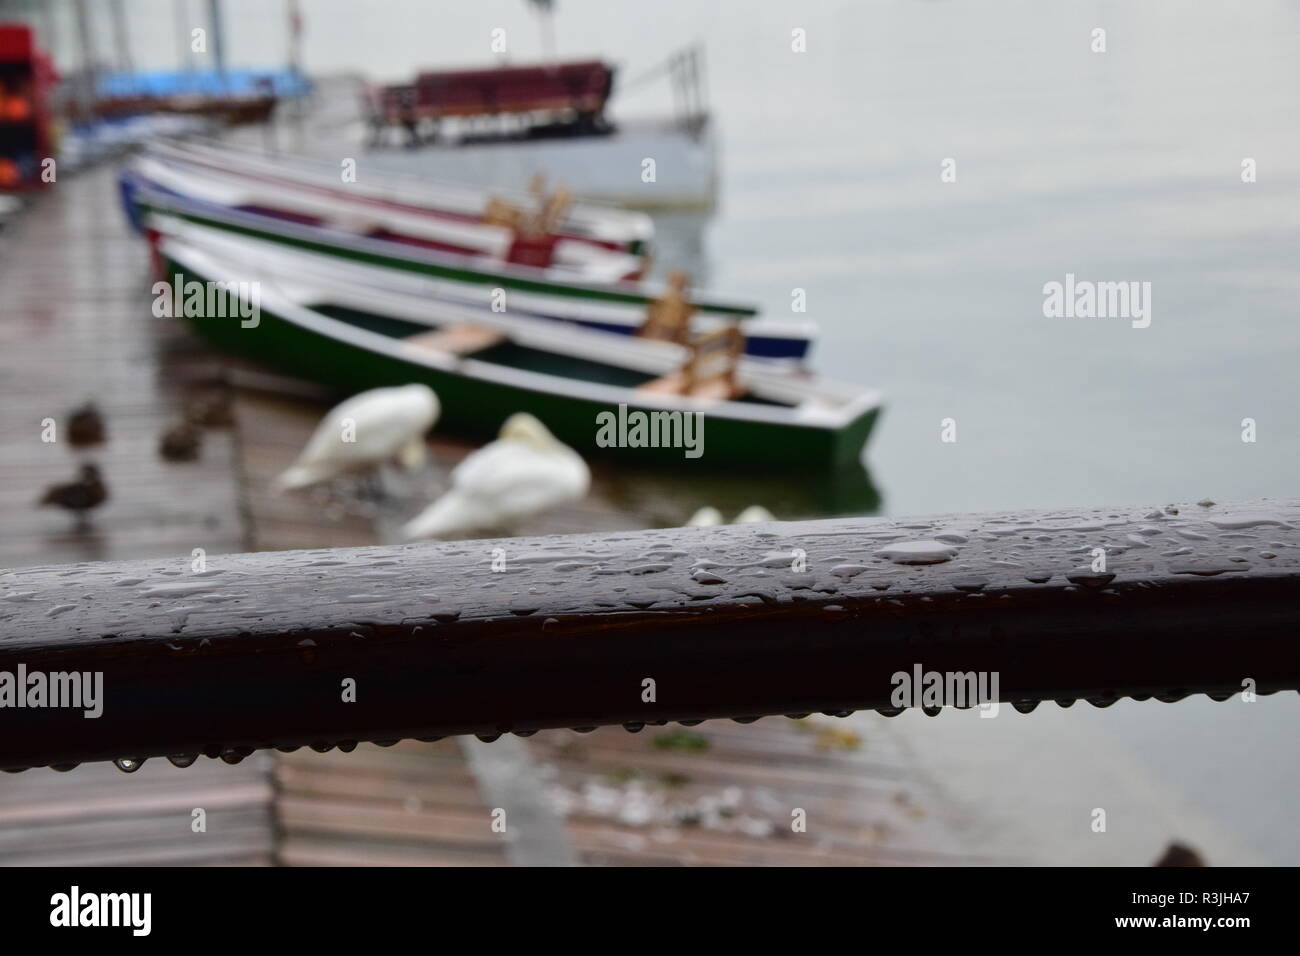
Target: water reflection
{"x":669,"y":498}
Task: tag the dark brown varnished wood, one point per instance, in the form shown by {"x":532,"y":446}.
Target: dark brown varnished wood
{"x":253,"y":653}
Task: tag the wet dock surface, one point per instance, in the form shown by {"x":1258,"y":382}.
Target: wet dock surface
{"x":77,"y":326}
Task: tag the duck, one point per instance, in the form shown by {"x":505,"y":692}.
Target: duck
{"x":85,"y":426}
{"x":87,"y":492}
{"x":180,"y":442}
{"x":383,"y":424}
{"x":525,"y":472}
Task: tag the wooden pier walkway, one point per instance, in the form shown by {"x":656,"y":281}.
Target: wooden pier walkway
{"x":77,"y":326}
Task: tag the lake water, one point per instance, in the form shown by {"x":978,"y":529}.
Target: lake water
{"x":1117,"y":166}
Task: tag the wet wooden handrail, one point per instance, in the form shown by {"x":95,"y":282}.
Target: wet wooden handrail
{"x":486,"y":637}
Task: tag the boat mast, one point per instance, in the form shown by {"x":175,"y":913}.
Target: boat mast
{"x":183,"y":49}
{"x":218,"y":39}
{"x":89,"y":64}
{"x":546,"y":17}
{"x":121,"y":37}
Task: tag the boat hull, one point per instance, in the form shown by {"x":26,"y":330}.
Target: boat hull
{"x":475,"y":407}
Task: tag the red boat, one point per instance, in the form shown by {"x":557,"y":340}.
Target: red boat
{"x":576,"y":91}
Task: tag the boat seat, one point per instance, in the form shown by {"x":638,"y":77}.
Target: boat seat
{"x":677,"y":384}
{"x":709,"y":372}
{"x":463,"y":339}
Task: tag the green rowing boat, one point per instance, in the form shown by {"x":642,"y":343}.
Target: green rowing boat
{"x":602,"y":394}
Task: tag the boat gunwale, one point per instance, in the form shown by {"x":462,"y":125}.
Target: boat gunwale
{"x":587,"y":217}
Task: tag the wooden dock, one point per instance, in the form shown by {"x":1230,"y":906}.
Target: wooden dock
{"x":78,"y":326}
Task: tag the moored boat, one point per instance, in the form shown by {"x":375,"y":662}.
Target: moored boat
{"x":519,"y":237}
{"x":549,"y":293}
{"x":600,"y":393}
{"x":603,"y":225}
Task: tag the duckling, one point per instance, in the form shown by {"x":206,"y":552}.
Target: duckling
{"x":80,"y":496}
{"x":180,"y":442}
{"x":85,"y":426}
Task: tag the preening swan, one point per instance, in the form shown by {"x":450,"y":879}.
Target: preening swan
{"x":365,"y":431}
{"x":524,"y":472}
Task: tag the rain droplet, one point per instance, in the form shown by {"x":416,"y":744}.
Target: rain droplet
{"x":918,"y":552}
{"x":701,"y":576}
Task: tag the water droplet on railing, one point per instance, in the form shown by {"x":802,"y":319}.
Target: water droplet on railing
{"x":183,"y":760}
{"x":1247,"y":520}
{"x":918,"y":552}
{"x":128,"y":764}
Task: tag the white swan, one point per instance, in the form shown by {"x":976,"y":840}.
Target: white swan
{"x":706,"y":517}
{"x":524,"y":472}
{"x":365,"y":431}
